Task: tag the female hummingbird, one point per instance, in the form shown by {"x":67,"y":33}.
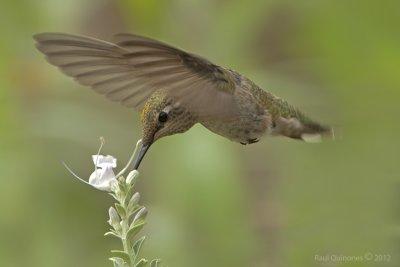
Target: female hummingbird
{"x":173,"y":89}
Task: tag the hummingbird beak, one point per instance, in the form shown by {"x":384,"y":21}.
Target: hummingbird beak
{"x":140,"y":156}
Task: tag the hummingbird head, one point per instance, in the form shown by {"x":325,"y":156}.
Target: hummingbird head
{"x":160,"y":117}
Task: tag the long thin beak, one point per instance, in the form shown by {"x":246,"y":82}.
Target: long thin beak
{"x":140,"y":156}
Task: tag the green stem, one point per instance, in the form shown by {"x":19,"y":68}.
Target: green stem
{"x":125,"y":228}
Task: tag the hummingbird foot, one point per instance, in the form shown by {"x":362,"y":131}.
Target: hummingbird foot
{"x":250,"y":141}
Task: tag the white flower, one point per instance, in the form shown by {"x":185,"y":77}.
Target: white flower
{"x":103,"y":177}
{"x":104,"y":161}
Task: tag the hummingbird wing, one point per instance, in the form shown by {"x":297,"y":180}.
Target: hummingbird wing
{"x":131,"y":69}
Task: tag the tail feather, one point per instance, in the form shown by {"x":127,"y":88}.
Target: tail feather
{"x":291,"y":122}
{"x":307,"y":131}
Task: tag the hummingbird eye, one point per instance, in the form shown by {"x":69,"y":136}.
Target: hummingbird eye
{"x":162,"y":117}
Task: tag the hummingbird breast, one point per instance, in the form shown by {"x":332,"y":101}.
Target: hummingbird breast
{"x":251,"y":122}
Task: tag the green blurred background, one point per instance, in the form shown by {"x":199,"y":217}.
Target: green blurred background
{"x":212,"y":202}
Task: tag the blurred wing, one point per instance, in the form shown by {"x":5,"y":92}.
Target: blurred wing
{"x":132,"y":68}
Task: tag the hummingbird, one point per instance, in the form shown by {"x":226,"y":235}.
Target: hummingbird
{"x":173,"y":89}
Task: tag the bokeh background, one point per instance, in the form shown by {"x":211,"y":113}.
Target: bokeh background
{"x":212,"y":202}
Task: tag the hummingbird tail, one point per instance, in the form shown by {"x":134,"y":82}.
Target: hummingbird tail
{"x":306,"y":130}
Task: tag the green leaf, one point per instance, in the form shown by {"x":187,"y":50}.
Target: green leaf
{"x":121,"y":211}
{"x":119,"y":193}
{"x":137,"y":246}
{"x":122,"y":185}
{"x":133,"y":212}
{"x":118,"y":262}
{"x":128,"y":196}
{"x":155,"y":263}
{"x":133,"y":201}
{"x":133,"y":230}
{"x":121,"y":254}
{"x":114,"y":196}
{"x":121,"y":180}
{"x":141,"y":263}
{"x":112,"y":233}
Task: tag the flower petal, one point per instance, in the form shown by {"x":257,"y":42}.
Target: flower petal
{"x":104,"y":161}
{"x":102,"y":179}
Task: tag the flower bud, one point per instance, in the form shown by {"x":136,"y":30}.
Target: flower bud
{"x":140,"y":215}
{"x":114,"y":218}
{"x":132,"y":177}
{"x":134,"y":201}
